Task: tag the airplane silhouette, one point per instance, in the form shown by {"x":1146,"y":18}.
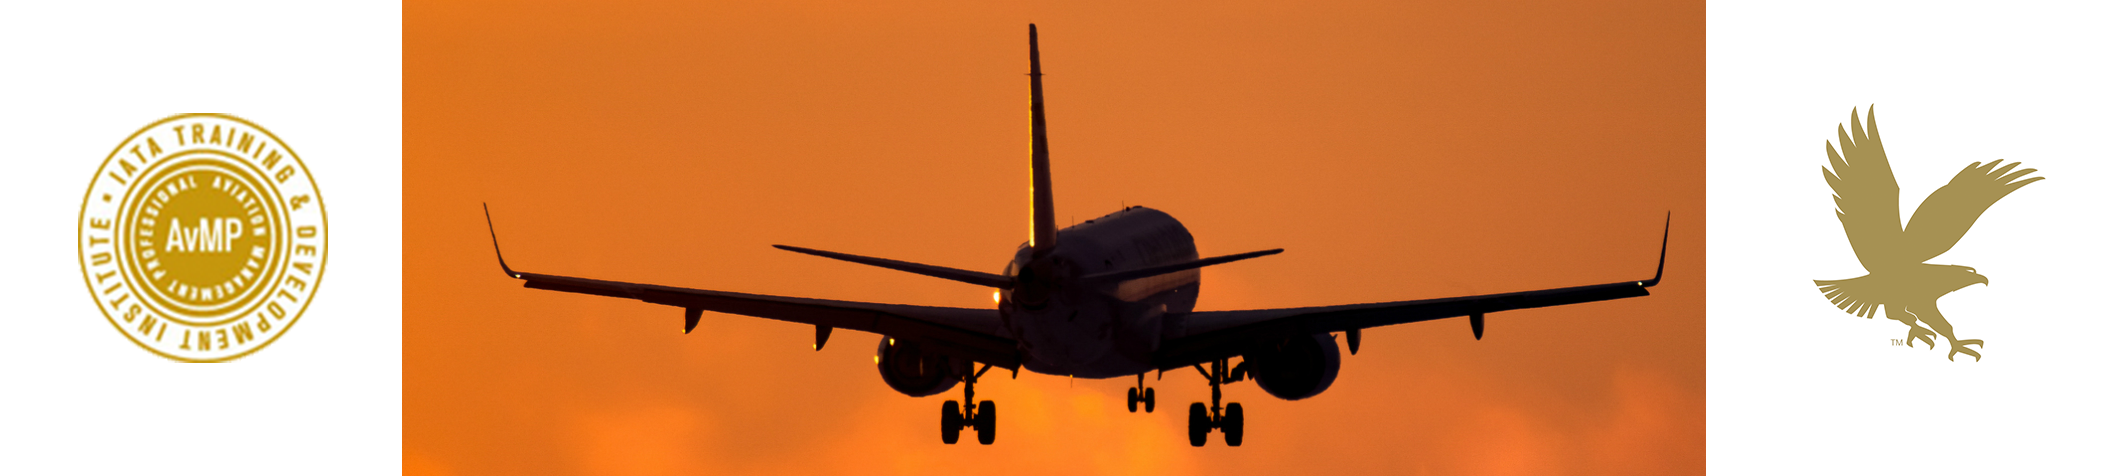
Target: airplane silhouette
{"x":1111,"y":297}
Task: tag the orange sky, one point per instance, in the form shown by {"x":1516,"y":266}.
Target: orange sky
{"x":1397,"y":150}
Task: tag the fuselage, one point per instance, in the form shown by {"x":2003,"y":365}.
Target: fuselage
{"x":1067,"y":327}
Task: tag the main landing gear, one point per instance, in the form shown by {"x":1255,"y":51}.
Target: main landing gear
{"x":1231,"y":419}
{"x":1143,"y":394}
{"x":983,"y":417}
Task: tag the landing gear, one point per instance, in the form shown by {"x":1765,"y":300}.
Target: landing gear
{"x":950,"y":422}
{"x":1143,"y":394}
{"x":980,"y":417}
{"x":986,"y":422}
{"x":1198,"y":424}
{"x":1230,"y":419}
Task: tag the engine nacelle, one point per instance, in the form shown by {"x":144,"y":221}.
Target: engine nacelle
{"x":1295,"y":368}
{"x":908,"y":369}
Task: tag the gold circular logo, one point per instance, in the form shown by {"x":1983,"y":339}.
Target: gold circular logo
{"x":203,"y":237}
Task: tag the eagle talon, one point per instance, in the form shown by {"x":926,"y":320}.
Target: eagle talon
{"x":1958,"y":347}
{"x":1917,"y":332}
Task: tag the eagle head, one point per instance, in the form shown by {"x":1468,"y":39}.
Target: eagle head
{"x":1955,"y":277}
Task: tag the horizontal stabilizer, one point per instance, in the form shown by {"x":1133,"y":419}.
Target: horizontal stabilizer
{"x":941,"y":272}
{"x":1125,"y":275}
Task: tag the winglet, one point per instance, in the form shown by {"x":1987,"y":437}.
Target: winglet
{"x":495,"y":243}
{"x":1661,"y":253}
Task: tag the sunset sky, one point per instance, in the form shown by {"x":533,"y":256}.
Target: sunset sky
{"x":1396,"y":150}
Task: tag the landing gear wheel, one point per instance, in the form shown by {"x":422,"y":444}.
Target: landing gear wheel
{"x":950,"y":422}
{"x":1133,"y":400}
{"x":986,"y":422}
{"x":1151,"y":400}
{"x":1198,"y":424}
{"x":1234,"y":425}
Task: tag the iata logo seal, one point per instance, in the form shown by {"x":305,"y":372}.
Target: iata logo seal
{"x":203,"y":238}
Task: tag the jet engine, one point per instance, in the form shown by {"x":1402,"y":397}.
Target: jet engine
{"x":1295,"y":368}
{"x":908,"y":369}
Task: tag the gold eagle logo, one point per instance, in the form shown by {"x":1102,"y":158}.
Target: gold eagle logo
{"x":1867,"y":200}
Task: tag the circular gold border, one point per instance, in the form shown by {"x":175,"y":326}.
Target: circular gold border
{"x":322,"y":264}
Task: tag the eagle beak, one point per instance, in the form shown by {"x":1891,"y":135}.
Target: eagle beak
{"x":1983,"y":279}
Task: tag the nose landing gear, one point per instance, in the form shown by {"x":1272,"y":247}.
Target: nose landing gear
{"x":1231,"y":419}
{"x":1142,"y":394}
{"x":980,"y":417}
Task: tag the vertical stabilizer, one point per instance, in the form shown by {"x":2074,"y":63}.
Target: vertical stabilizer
{"x":1043,"y":236}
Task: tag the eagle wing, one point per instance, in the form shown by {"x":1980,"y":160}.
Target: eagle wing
{"x":1865,"y":194}
{"x":1950,"y":211}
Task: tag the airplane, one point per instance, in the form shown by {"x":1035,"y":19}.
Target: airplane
{"x":1111,"y":297}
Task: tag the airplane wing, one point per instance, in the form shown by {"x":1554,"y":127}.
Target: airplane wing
{"x":1199,"y":337}
{"x":961,"y":332}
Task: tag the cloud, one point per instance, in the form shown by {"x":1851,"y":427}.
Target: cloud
{"x":1654,"y":428}
{"x":643,"y":440}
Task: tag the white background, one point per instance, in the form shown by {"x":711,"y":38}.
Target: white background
{"x":76,"y":397}
{"x":1798,"y":386}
